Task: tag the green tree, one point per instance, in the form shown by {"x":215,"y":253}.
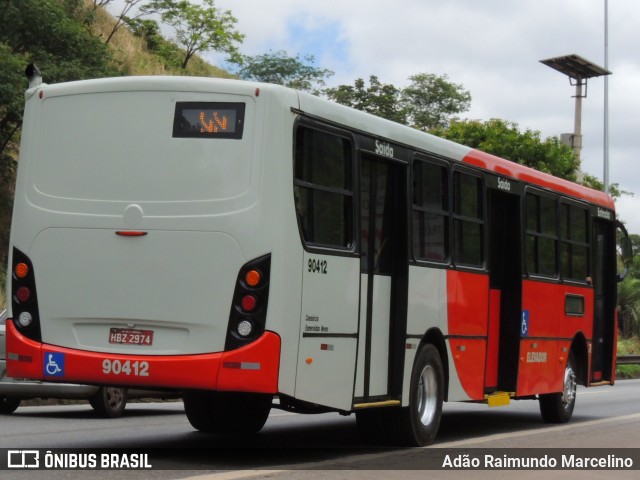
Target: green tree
{"x":430,"y":101}
{"x":614,"y":188}
{"x":629,"y":306}
{"x":12,"y":83}
{"x":281,"y":69}
{"x":127,"y":7}
{"x":12,"y":86}
{"x":47,"y":33}
{"x":199,"y":27}
{"x":377,"y":98}
{"x":147,"y":29}
{"x":504,"y":139}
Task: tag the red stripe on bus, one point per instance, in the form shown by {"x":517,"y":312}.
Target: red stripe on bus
{"x":529,"y":175}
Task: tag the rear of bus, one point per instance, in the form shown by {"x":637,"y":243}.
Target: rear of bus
{"x":136,"y":254}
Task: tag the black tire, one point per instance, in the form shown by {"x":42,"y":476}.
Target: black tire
{"x":109,"y":402}
{"x":558,"y":407}
{"x":227,"y":412}
{"x":417,"y":424}
{"x":8,"y":405}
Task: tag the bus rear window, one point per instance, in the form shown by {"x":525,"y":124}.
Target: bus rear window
{"x":208,"y":120}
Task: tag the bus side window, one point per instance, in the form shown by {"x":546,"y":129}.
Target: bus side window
{"x":542,"y":235}
{"x":574,"y":243}
{"x":430,"y":212}
{"x":468,"y":220}
{"x":323,"y":188}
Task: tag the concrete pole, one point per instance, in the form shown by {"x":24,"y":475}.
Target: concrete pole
{"x":577,"y":129}
{"x":606,"y":97}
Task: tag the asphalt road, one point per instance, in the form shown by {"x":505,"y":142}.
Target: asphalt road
{"x":322,"y":445}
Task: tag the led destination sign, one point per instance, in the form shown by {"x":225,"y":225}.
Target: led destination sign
{"x":208,"y":120}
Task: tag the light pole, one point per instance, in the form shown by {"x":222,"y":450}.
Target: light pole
{"x":579,"y":70}
{"x":606,"y":97}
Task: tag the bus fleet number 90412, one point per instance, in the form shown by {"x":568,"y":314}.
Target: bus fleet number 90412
{"x":116,"y":367}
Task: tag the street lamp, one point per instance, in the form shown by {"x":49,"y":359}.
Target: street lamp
{"x":579,"y":70}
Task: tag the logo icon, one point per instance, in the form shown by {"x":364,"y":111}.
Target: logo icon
{"x":54,"y":364}
{"x":23,"y":459}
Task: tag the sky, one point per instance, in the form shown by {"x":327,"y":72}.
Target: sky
{"x":491,"y":47}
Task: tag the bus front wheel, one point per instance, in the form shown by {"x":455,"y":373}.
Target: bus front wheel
{"x":558,"y":407}
{"x":227,"y":412}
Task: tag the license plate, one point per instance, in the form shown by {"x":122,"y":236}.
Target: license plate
{"x":131,"y":336}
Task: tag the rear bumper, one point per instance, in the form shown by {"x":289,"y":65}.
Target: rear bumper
{"x":253,"y":368}
{"x":10,"y":387}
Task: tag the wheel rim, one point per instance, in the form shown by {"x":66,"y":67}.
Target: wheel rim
{"x":114,"y":397}
{"x":427,"y":395}
{"x":569,"y":391}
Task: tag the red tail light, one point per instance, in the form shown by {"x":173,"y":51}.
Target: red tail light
{"x":249,"y":303}
{"x":23,"y":294}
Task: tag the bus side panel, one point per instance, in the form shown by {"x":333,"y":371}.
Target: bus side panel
{"x":551,"y":320}
{"x":427,"y":309}
{"x":468,"y":312}
{"x":538,"y":372}
{"x":328,"y":330}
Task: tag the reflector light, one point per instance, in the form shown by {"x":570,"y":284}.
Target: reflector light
{"x":25,"y":319}
{"x":23,"y":294}
{"x":128,"y":233}
{"x":248,"y":303}
{"x":245,"y":328}
{"x":21,"y":270}
{"x":252,"y":278}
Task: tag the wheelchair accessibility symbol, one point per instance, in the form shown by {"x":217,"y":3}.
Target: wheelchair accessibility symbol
{"x":524,"y":324}
{"x":54,"y":364}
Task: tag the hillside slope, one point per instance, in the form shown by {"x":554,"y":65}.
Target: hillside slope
{"x":67,"y":40}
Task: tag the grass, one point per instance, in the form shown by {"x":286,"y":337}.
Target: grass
{"x":628,"y":346}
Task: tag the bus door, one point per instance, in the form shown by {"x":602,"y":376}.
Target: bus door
{"x":505,"y":303}
{"x":604,"y":274}
{"x":383,"y":282}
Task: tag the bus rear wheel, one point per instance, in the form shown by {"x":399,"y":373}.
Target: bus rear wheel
{"x":227,"y":412}
{"x":558,"y":407}
{"x":109,"y":402}
{"x":417,"y":424}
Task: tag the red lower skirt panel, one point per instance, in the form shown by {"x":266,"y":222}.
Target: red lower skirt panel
{"x":253,"y":368}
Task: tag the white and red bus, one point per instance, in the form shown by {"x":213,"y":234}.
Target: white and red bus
{"x":254,"y":246}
